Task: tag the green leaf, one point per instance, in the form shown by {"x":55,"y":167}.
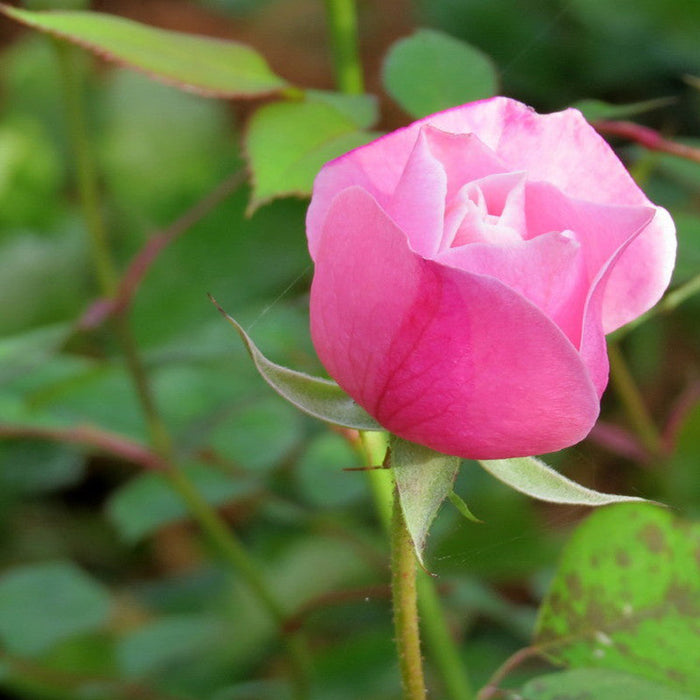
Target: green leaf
{"x":597,"y":683}
{"x":430,"y":71}
{"x":260,"y":435}
{"x":320,"y":474}
{"x":147,"y":502}
{"x":29,"y":467}
{"x":42,"y":604}
{"x":170,"y":640}
{"x":626,"y":597}
{"x":318,"y":397}
{"x":533,"y":477}
{"x":594,"y":110}
{"x":362,"y":110}
{"x":424,"y":478}
{"x":210,"y":67}
{"x":287,"y":143}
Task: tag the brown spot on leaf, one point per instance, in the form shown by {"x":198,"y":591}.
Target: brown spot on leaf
{"x":653,"y":538}
{"x":685,"y":600}
{"x":676,"y":676}
{"x":623,"y":558}
{"x":573,"y":584}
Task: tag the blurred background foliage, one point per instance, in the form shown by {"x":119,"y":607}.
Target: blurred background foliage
{"x":106,"y":589}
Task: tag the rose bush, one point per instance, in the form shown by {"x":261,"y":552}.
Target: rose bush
{"x":467,"y":269}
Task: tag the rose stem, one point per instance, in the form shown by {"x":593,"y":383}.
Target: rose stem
{"x":212,"y":524}
{"x":439,"y":640}
{"x":404,"y":593}
{"x":633,"y":402}
{"x":342,"y":26}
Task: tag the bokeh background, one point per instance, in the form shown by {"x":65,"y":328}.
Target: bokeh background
{"x":145,"y":610}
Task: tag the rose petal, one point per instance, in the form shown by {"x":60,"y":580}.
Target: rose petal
{"x":445,"y":358}
{"x":464,"y":157}
{"x":564,"y":150}
{"x":642,"y":273}
{"x":560,"y":148}
{"x":379,"y":168}
{"x":547,"y":270}
{"x":602,"y":229}
{"x":417,"y":205}
{"x":502,"y":200}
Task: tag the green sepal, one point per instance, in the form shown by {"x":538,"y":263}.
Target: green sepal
{"x":463,"y":508}
{"x":533,"y":477}
{"x":424,"y":478}
{"x":320,"y":398}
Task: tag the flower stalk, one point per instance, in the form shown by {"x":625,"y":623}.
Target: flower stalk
{"x":405,"y":601}
{"x":440,"y":645}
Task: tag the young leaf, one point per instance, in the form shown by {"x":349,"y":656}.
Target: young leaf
{"x":626,"y":597}
{"x":287,"y":143}
{"x":424,"y":479}
{"x":430,"y":71}
{"x":533,"y":477}
{"x":599,"y":683}
{"x":207,"y":66}
{"x":318,"y":397}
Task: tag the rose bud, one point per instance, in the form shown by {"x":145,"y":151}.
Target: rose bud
{"x":467,"y":269}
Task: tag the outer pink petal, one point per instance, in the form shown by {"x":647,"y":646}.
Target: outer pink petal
{"x":547,"y":270}
{"x":449,"y":359}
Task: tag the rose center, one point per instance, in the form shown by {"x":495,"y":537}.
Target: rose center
{"x":489,"y":210}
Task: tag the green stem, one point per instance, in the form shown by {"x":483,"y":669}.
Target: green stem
{"x":439,"y":640}
{"x":404,"y":595}
{"x":342,"y":23}
{"x":85,"y":167}
{"x":209,"y":520}
{"x":633,"y":402}
{"x":440,"y":644}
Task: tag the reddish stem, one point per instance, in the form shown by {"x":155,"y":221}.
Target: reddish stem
{"x":142,"y":261}
{"x":88,"y":436}
{"x":649,"y":138}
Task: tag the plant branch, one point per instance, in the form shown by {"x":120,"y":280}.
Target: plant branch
{"x":86,"y":174}
{"x":492,"y":689}
{"x":342,"y":24}
{"x":88,"y":436}
{"x":633,"y":402}
{"x":648,"y":138}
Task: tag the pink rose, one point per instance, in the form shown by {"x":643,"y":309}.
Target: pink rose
{"x":467,"y":269}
